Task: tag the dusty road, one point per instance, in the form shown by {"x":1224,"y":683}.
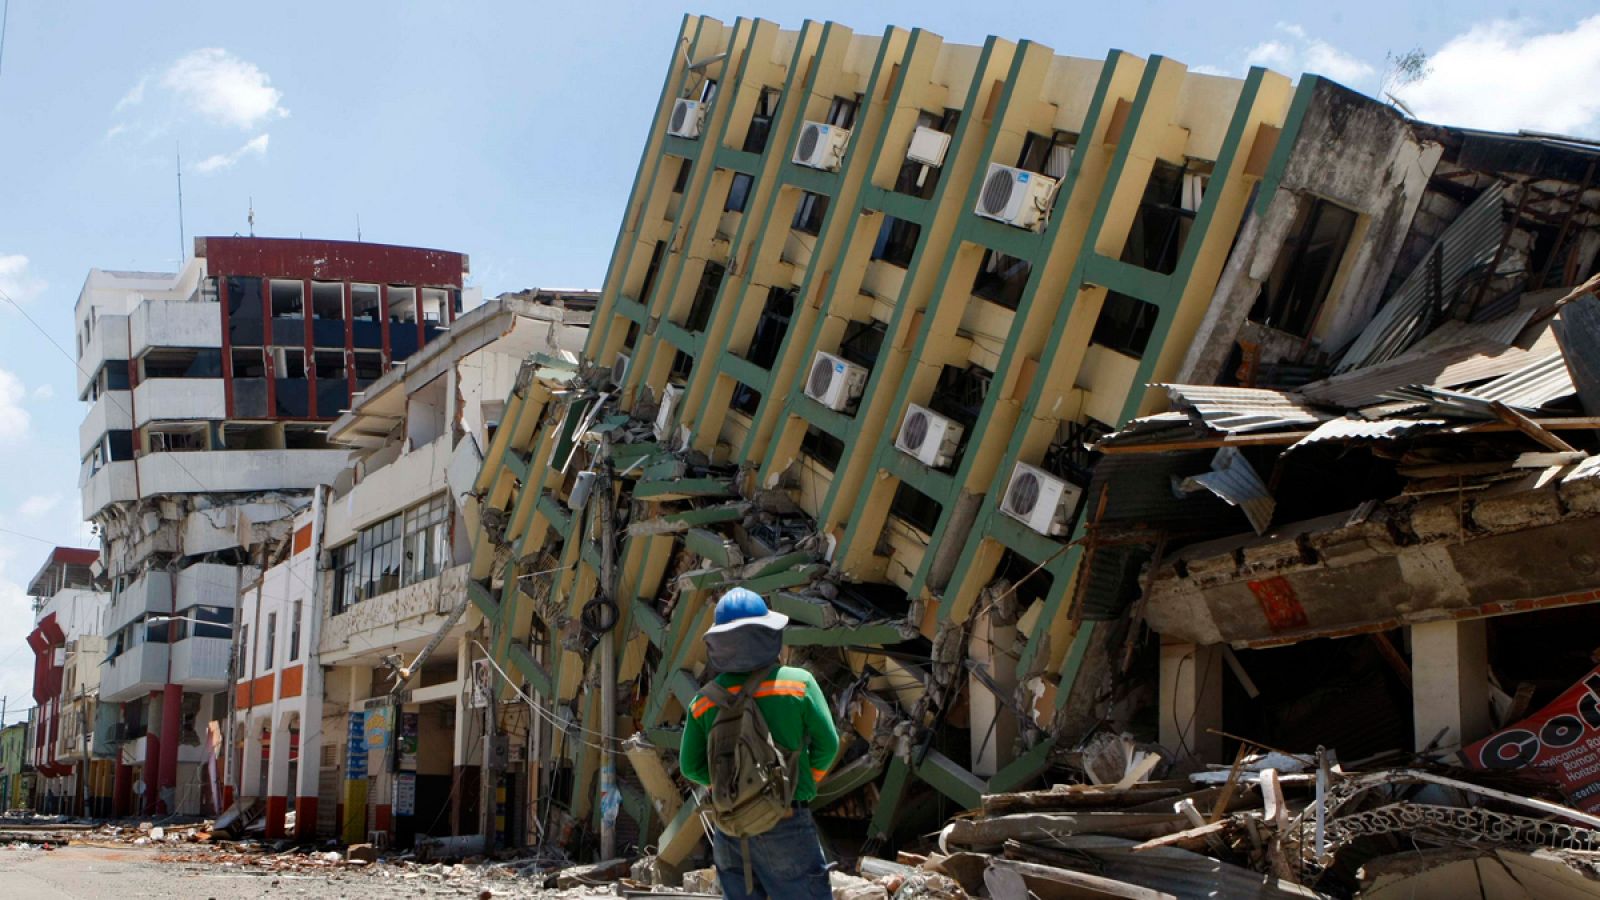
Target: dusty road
{"x":95,"y":872}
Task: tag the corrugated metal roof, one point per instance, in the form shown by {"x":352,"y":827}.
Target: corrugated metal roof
{"x":1237,"y":410}
{"x":1364,"y":430}
{"x":1541,"y":382}
{"x":1234,"y":480}
{"x":1470,"y":241}
{"x":1447,"y":368}
{"x":1455,"y":333}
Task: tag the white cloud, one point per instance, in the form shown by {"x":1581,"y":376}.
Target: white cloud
{"x":1505,"y":76}
{"x":256,"y":146}
{"x":133,"y":97}
{"x":1294,"y":51}
{"x":14,"y":420}
{"x":17,"y":281}
{"x":44,"y":392}
{"x":223,"y":88}
{"x":38,"y":505}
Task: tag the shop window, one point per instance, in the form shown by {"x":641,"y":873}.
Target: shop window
{"x":1125,"y":324}
{"x":1292,"y":296}
{"x":1001,"y":278}
{"x":897,"y":241}
{"x":809,"y":214}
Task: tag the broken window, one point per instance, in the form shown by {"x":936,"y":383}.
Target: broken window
{"x":181,"y":363}
{"x":746,"y":399}
{"x":915,"y":508}
{"x":378,"y":558}
{"x":809,"y":214}
{"x":1166,"y":213}
{"x":248,"y":363}
{"x":176,"y":439}
{"x":329,"y":364}
{"x":344,"y":577}
{"x":862,"y":341}
{"x":432,"y":312}
{"x":294,"y":631}
{"x":1125,"y":324}
{"x":402,"y":308}
{"x":288,"y":300}
{"x":209,"y":622}
{"x":705,"y":296}
{"x":631,"y":339}
{"x":682,"y":365}
{"x":1047,"y":154}
{"x":1001,"y":278}
{"x":291,"y":387}
{"x":682,"y":180}
{"x":771,"y":327}
{"x":738,"y":193}
{"x":897,"y":241}
{"x":842,"y":111}
{"x":244,"y":310}
{"x":755,"y":138}
{"x":327,"y":314}
{"x":650,"y":273}
{"x":1292,"y":296}
{"x":822,"y":447}
{"x":251,"y":437}
{"x":960,"y":394}
{"x":427,"y":539}
{"x":369,"y":368}
{"x":305,"y":437}
{"x":366,"y":310}
{"x":916,"y":179}
{"x":1070,"y":455}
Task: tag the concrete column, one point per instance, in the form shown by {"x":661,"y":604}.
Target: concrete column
{"x":306,"y":777}
{"x":278,"y":777}
{"x":152,"y":755}
{"x":994,"y":725}
{"x":122,"y":788}
{"x":171,"y":722}
{"x":1191,"y":701}
{"x":250,"y":766}
{"x":1449,"y":682}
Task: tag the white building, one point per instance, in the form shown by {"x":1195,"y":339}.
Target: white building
{"x":209,"y":391}
{"x":372,"y":582}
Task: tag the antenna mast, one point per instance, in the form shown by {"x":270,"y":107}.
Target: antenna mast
{"x":183,"y":251}
{"x":251,"y":218}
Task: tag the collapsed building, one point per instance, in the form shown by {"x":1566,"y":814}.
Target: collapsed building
{"x":875,"y":306}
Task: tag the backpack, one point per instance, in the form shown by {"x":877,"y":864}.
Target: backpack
{"x":752,"y":778}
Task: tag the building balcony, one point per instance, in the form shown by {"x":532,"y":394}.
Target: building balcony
{"x":178,"y":399}
{"x":135,"y":673}
{"x":112,"y":412}
{"x":174,"y":323}
{"x":110,"y":340}
{"x":201,"y":664}
{"x":212,"y":471}
{"x":151,"y":592}
{"x":411,"y":613}
{"x":211,"y":584}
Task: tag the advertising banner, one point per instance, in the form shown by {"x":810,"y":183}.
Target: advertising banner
{"x":1563,"y":739}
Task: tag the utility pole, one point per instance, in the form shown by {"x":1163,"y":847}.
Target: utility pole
{"x":608,"y":668}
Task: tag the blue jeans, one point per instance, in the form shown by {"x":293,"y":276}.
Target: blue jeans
{"x":787,"y":862}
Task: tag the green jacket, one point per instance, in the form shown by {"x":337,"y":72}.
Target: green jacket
{"x":796,"y":714}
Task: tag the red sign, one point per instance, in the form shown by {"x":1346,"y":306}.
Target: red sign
{"x":1279,"y":604}
{"x":1563,"y":739}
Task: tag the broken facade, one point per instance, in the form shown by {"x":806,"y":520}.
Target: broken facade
{"x":834,"y":362}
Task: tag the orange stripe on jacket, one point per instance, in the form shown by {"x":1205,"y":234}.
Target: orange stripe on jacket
{"x":767,"y":689}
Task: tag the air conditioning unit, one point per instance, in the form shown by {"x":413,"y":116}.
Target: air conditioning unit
{"x":619,"y":369}
{"x":821,"y":146}
{"x":1040,"y":500}
{"x":928,"y":146}
{"x":834,"y":382}
{"x":687,"y":117}
{"x":1016,"y":197}
{"x":928,"y":436}
{"x":667,"y":411}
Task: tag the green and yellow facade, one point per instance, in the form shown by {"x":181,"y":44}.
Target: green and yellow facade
{"x":1049,"y":335}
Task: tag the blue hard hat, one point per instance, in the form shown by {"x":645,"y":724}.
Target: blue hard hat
{"x":740,"y":607}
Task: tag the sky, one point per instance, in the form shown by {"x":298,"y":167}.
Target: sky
{"x":511,"y":132}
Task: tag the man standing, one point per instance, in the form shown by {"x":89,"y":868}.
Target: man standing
{"x":763,"y":840}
